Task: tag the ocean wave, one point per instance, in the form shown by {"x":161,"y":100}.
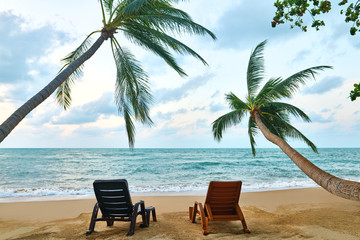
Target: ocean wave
{"x":60,"y":172}
{"x":37,"y":192}
{"x":62,"y":191}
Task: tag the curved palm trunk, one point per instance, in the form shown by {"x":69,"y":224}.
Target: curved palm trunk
{"x":337,"y":186}
{"x":7,"y":126}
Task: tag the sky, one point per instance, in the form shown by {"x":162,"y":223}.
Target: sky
{"x":34,"y":39}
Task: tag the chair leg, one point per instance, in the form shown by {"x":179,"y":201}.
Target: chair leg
{"x":151,"y":210}
{"x":204,"y":225}
{"x":246,"y":230}
{"x":145,"y":219}
{"x":93,"y":219}
{"x":204,"y":220}
{"x":134,"y":215}
{"x":110,"y":223}
{"x":132,"y":225}
{"x":242,"y":218}
{"x":192,"y":212}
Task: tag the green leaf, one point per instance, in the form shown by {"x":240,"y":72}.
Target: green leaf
{"x":255,"y":71}
{"x":132,"y":94}
{"x":290,"y":85}
{"x":275,"y":115}
{"x":288,"y":109}
{"x":252,"y":131}
{"x":235,"y":103}
{"x":222,"y":123}
{"x":63,"y":92}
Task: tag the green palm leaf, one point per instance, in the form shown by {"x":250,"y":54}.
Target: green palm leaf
{"x":252,"y":131}
{"x":63,"y":92}
{"x":222,"y":123}
{"x":132,"y":95}
{"x":148,"y":41}
{"x":174,"y":24}
{"x":129,"y":125}
{"x":282,"y":128}
{"x":290,"y":110}
{"x":109,"y":5}
{"x":291,"y":84}
{"x":167,"y":9}
{"x":266,"y":94}
{"x":271,"y":121}
{"x":159,"y":15}
{"x":134,"y":6}
{"x":164,"y":40}
{"x":274,"y":115}
{"x":255,"y":71}
{"x":235,"y":103}
{"x":296,"y":134}
{"x":290,"y":131}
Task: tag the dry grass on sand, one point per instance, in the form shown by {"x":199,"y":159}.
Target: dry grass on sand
{"x":321,"y":221}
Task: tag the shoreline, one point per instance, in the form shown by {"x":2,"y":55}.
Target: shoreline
{"x":309,"y":213}
{"x":134,"y":194}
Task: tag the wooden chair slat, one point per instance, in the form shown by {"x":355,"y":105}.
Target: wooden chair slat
{"x":221,"y":204}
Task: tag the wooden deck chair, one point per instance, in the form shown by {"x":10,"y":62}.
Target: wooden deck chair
{"x":114,"y":201}
{"x":221,"y":204}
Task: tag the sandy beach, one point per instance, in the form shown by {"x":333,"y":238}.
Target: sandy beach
{"x":310,"y":213}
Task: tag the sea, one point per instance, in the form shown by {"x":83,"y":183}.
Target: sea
{"x":69,"y":172}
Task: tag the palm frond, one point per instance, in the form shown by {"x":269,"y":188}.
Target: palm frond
{"x":134,"y":7}
{"x":174,"y":24}
{"x":132,"y":81}
{"x":272,"y":123}
{"x":170,"y":42}
{"x":266,"y":94}
{"x":148,"y":22}
{"x":290,"y":85}
{"x":109,"y":6}
{"x":255,"y":70}
{"x":252,"y":131}
{"x":148,"y":41}
{"x":129,"y":125}
{"x":159,"y":15}
{"x":63,"y":92}
{"x":227,"y":120}
{"x":167,"y":9}
{"x":289,"y":109}
{"x":235,"y":103}
{"x":282,"y":128}
{"x":132,"y":94}
{"x":296,"y":134}
{"x":274,"y":115}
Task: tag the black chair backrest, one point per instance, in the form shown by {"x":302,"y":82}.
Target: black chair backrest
{"x":113,"y":197}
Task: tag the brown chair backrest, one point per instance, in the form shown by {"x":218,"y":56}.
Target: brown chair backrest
{"x":222,"y":196}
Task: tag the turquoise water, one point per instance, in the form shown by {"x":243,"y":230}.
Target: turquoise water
{"x":46,"y":172}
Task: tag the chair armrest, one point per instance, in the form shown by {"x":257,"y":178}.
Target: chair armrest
{"x":139,"y":202}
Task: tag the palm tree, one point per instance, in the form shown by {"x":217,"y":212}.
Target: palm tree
{"x":272,"y":117}
{"x":150,"y":24}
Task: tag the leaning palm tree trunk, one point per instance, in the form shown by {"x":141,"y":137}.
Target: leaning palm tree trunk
{"x":41,"y":96}
{"x":337,"y":186}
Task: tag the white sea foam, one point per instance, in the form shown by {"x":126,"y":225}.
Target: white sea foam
{"x":36,"y":192}
{"x":162,"y":189}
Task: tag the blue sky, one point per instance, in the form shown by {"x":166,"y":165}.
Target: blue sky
{"x":34,"y":39}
